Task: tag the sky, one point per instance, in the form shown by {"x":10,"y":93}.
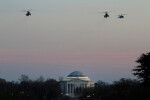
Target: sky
{"x":62,"y":36}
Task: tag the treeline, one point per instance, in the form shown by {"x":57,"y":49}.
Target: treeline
{"x":124,"y":89}
{"x":27,"y":89}
{"x":40,"y":89}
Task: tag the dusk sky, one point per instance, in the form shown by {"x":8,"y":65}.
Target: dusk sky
{"x":62,"y":36}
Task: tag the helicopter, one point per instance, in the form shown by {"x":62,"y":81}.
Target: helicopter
{"x":121,"y":16}
{"x":106,"y":14}
{"x":28,"y":12}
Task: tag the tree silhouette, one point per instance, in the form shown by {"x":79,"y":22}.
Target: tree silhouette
{"x":142,"y":71}
{"x":24,"y":78}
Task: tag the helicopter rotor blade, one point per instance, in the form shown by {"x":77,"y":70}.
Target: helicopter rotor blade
{"x":108,"y":11}
{"x":102,"y":12}
{"x":124,"y":14}
{"x":24,"y":10}
{"x":30,"y":10}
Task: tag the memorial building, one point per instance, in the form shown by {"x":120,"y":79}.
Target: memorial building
{"x":74,"y":83}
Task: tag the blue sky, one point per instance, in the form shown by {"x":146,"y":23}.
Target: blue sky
{"x":66,"y":35}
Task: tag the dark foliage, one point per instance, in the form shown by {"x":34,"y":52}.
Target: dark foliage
{"x":124,"y":89}
{"x":30,"y":90}
{"x":142,"y":71}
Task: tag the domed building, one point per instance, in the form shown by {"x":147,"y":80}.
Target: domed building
{"x":74,"y":83}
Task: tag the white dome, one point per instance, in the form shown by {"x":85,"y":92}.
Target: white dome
{"x":77,"y":75}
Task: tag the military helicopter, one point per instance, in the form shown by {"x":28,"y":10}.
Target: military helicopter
{"x":28,"y":12}
{"x":121,"y":16}
{"x":106,"y":14}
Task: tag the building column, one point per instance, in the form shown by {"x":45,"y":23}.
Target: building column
{"x":83,"y":85}
{"x":72,"y":88}
{"x":67,"y":87}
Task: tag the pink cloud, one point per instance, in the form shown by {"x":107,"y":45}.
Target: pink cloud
{"x":67,"y":57}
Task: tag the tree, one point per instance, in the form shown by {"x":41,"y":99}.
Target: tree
{"x":2,"y":81}
{"x":142,"y":71}
{"x":24,"y":78}
{"x":40,"y":79}
{"x":61,"y":79}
